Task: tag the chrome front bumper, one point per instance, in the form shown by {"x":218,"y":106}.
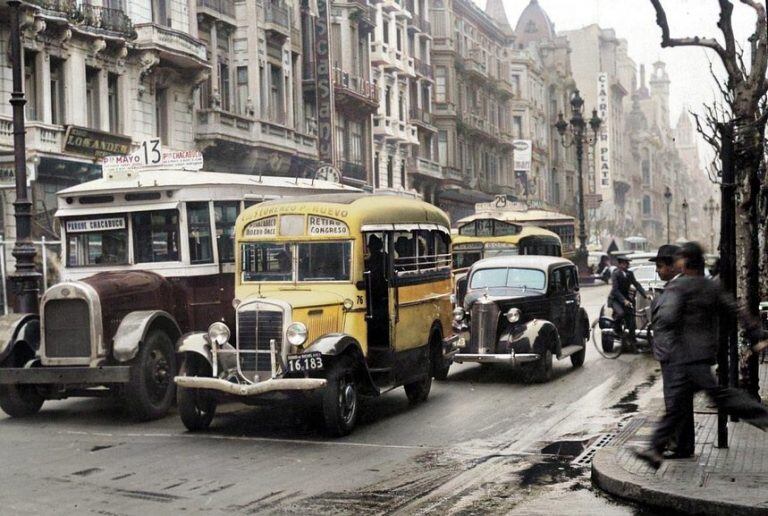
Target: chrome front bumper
{"x":489,"y":358}
{"x":255,"y":389}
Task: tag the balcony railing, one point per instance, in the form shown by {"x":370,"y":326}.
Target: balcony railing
{"x":421,"y":116}
{"x":355,"y":85}
{"x":217,"y":124}
{"x":225,"y":7}
{"x":68,"y":7}
{"x":423,"y":69}
{"x":354,"y":171}
{"x":367,"y":13}
{"x":424,"y":167}
{"x":277,"y":14}
{"x":420,"y":23}
{"x":106,"y":18}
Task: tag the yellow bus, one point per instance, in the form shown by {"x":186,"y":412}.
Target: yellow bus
{"x":499,"y":222}
{"x":345,"y":295}
{"x":469,"y":248}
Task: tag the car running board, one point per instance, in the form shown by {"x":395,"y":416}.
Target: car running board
{"x":568,"y":351}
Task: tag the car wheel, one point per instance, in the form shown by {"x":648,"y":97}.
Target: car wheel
{"x":577,"y":359}
{"x":540,"y":371}
{"x":340,"y":403}
{"x":19,"y":400}
{"x":418,"y":391}
{"x":196,"y":406}
{"x":150,"y":391}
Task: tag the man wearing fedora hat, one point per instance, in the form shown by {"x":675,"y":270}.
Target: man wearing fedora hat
{"x":682,"y":444}
{"x":621,"y":280}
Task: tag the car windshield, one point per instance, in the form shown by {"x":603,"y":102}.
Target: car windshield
{"x":310,"y":261}
{"x":646,"y":273}
{"x":508,"y":277}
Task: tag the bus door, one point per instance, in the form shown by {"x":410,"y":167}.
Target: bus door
{"x":378,"y":268}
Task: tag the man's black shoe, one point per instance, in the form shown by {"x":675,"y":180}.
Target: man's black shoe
{"x":674,"y":454}
{"x":650,"y":457}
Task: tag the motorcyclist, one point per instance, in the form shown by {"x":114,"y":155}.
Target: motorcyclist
{"x":619,"y":299}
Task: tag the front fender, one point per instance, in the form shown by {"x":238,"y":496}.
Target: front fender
{"x":534,"y":336}
{"x":337,"y":344}
{"x":584,"y":319}
{"x":197,"y":343}
{"x":134,"y":327}
{"x":19,"y":329}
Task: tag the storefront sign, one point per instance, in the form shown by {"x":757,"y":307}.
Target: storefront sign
{"x":325,"y":107}
{"x":603,"y":148}
{"x":261,"y":228}
{"x":81,"y":226}
{"x":90,"y":142}
{"x":522,"y":155}
{"x":323,"y":226}
{"x":150,"y":155}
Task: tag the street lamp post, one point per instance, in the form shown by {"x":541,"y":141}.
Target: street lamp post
{"x":25,"y":280}
{"x":710,"y":208}
{"x":668,"y":201}
{"x":685,"y":219}
{"x":579,"y":136}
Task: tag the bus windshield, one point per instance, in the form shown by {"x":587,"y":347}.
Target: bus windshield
{"x":307,"y":261}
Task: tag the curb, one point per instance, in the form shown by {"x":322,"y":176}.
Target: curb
{"x":612,"y":478}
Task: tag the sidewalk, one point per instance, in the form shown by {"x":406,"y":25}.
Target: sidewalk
{"x":715,"y":481}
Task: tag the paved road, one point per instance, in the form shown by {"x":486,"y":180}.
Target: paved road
{"x":483,"y":442}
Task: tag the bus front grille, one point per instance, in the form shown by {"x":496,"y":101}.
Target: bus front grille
{"x":256,"y":328}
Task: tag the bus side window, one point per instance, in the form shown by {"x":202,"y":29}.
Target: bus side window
{"x":405,"y":251}
{"x":225,"y":214}
{"x":442,"y":245}
{"x":199,"y":229}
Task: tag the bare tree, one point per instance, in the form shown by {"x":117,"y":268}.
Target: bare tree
{"x":744,"y":91}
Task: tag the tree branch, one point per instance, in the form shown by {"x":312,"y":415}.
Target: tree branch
{"x":759,"y":44}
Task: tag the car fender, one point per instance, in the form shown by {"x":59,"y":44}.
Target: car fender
{"x":197,"y":343}
{"x":19,"y":330}
{"x":584,"y":319}
{"x":337,"y":344}
{"x":534,"y":336}
{"x":134,"y":327}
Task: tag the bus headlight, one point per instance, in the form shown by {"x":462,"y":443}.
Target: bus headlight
{"x":458,"y":314}
{"x":513,"y":315}
{"x":296,"y":334}
{"x":218,"y":333}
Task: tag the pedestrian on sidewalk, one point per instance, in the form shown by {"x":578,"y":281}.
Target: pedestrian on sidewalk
{"x":693,"y":303}
{"x":682,"y":445}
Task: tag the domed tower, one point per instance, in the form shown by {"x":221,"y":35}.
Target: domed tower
{"x":495,"y":9}
{"x":533,"y":25}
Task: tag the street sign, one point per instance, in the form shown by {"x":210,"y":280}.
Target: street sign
{"x":149,"y":155}
{"x":592,"y":201}
{"x":500,"y":203}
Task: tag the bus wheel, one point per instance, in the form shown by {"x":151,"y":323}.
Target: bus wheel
{"x":19,"y":400}
{"x":340,"y":403}
{"x":418,"y":391}
{"x":150,"y":391}
{"x":440,"y":366}
{"x":196,"y":406}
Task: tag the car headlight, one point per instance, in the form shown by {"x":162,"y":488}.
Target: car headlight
{"x":218,"y":333}
{"x":296,"y":334}
{"x":513,"y":315}
{"x":458,"y":313}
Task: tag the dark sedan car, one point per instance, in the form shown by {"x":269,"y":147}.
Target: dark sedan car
{"x":521,"y":310}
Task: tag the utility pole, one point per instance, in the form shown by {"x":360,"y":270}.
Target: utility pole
{"x":25,"y":280}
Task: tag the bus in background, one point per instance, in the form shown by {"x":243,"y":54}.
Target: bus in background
{"x":469,"y":247}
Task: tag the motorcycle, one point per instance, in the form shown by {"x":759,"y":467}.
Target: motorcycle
{"x":609,"y":344}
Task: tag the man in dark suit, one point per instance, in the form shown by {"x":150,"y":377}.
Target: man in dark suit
{"x":692,"y":304}
{"x":621,"y":280}
{"x":682,"y":446}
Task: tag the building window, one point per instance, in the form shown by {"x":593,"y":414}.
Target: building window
{"x":161,"y":114}
{"x":376,"y":175}
{"x":385,"y":32}
{"x":224,"y":86}
{"x":160,"y":13}
{"x":646,"y":165}
{"x":517,"y":127}
{"x":277,"y":108}
{"x":440,"y":85}
{"x":388,"y":101}
{"x":30,"y":86}
{"x":516,"y":85}
{"x":355,"y":147}
{"x":57,"y":91}
{"x":113,"y":104}
{"x":646,"y":205}
{"x":442,"y":148}
{"x":341,"y":130}
{"x":92,"y":96}
{"x":402,"y":173}
{"x":242,"y":90}
{"x":390,"y":172}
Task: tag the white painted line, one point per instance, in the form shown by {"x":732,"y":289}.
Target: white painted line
{"x":253,"y":439}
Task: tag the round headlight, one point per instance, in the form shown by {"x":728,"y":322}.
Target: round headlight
{"x":296,"y":334}
{"x":348,"y":304}
{"x":218,"y":333}
{"x":458,"y":313}
{"x":513,"y":315}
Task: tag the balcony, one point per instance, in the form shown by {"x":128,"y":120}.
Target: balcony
{"x":423,"y":69}
{"x":475,"y":65}
{"x":40,"y":137}
{"x":419,"y":24}
{"x":422,"y":119}
{"x":108,"y":20}
{"x":176,"y":47}
{"x":277,"y":135}
{"x":391,"y":5}
{"x":505,"y":88}
{"x":66,"y":7}
{"x":277,"y":19}
{"x":217,"y":9}
{"x":424,"y":167}
{"x":354,"y":171}
{"x":215,"y":124}
{"x":354,"y":93}
{"x":366,"y":15}
{"x":381,"y":54}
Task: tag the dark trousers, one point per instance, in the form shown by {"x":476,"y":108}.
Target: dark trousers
{"x":621,"y":316}
{"x":684,"y":439}
{"x":684,"y":381}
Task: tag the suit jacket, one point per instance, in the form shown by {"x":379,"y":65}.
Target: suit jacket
{"x":693,"y":306}
{"x":663,"y":328}
{"x":620,"y":283}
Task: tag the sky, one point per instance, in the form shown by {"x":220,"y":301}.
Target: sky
{"x":635,"y":20}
